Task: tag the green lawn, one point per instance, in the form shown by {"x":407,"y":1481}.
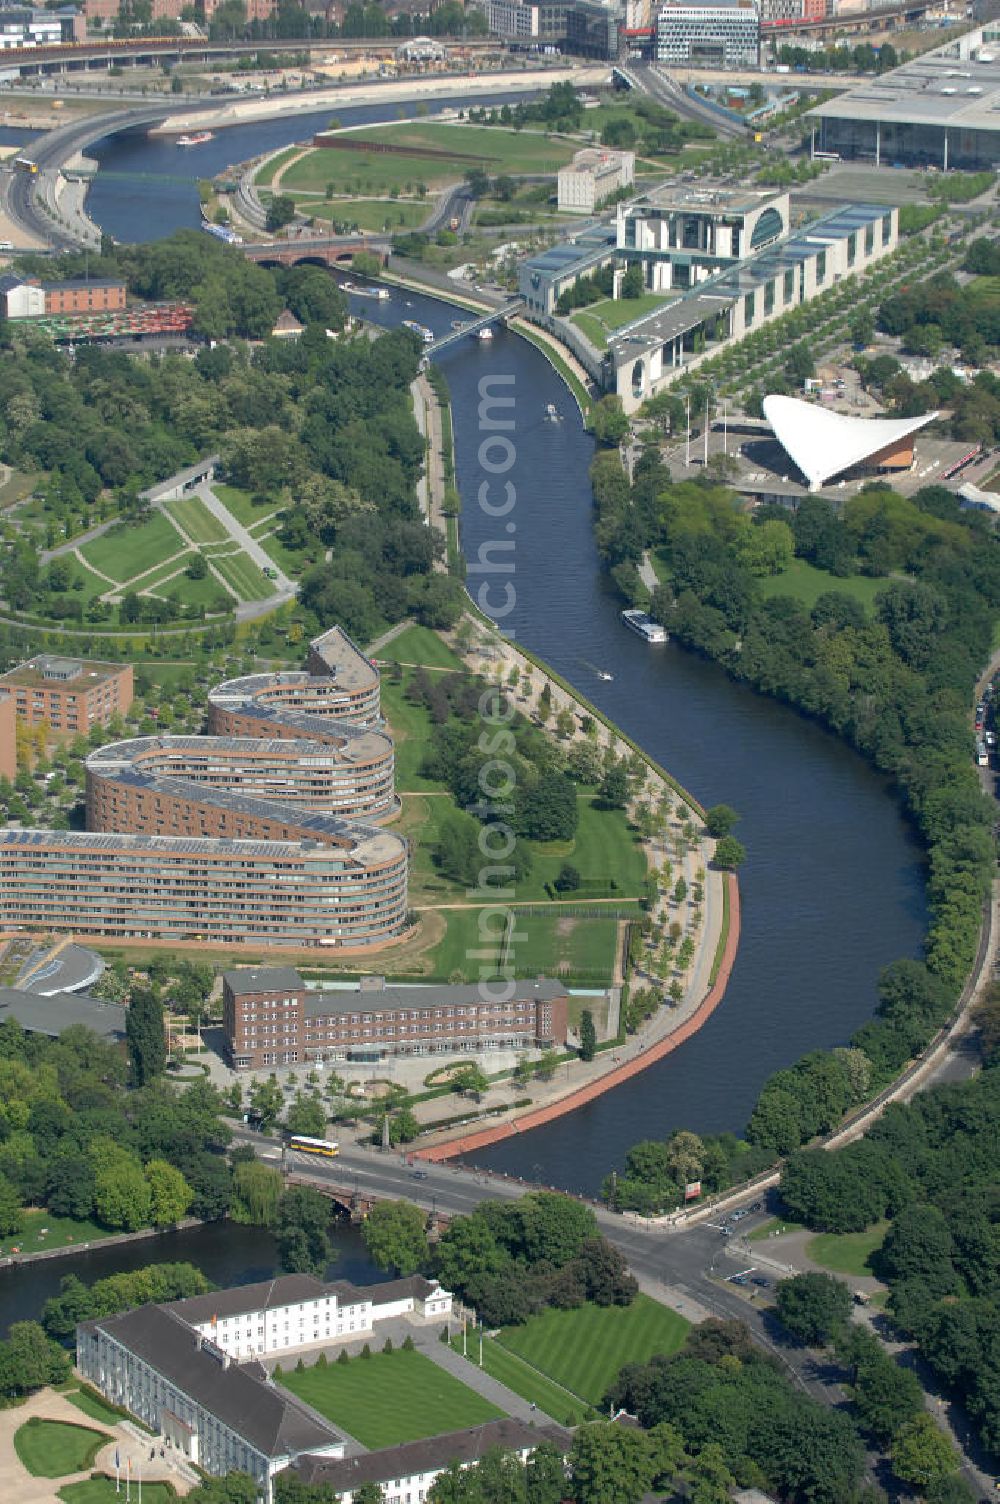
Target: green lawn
{"x":242,"y":504}
{"x":294,"y":562}
{"x":604,"y":851}
{"x":197,"y":521}
{"x":420,"y":645}
{"x":807,"y":583}
{"x":507,"y":1368}
{"x":773,"y":1227}
{"x":390,"y":1398}
{"x":102,"y":1491}
{"x":584,"y":1349}
{"x":90,"y":585}
{"x":207,"y":592}
{"x":565,"y":947}
{"x":93,"y":1406}
{"x":602,"y":319}
{"x":52,"y":1448}
{"x":123,"y":552}
{"x":367,"y":213}
{"x":367,"y":174}
{"x":410,"y":725}
{"x":246,"y":579}
{"x":847,"y":1252}
{"x":43,"y":1230}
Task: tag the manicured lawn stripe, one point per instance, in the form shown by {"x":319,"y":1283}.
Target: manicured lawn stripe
{"x":201,"y":525}
{"x":53,"y":1448}
{"x":244,"y":576}
{"x":584,"y":1349}
{"x":390,"y":1398}
{"x":242,"y":504}
{"x":510,"y":1369}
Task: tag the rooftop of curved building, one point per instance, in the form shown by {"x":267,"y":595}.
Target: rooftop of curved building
{"x":356,"y":745}
{"x":824,"y":444}
{"x":369,"y":846}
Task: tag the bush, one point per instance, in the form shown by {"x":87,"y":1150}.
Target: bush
{"x":387,"y":1348}
{"x":366,"y":1351}
{"x":343,"y":1358}
{"x":408,"y":1344}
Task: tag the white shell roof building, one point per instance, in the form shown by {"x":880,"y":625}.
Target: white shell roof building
{"x":824,"y":445}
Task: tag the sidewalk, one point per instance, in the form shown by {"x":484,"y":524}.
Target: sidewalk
{"x":469,"y":1373}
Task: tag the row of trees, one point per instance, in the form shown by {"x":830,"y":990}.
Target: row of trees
{"x":896,"y":683}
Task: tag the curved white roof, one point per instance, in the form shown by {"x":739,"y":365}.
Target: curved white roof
{"x":822,"y":444}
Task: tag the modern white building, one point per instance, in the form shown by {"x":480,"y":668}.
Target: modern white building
{"x":191,"y":1370}
{"x":824,"y":445}
{"x":721,"y":34}
{"x":594,"y":175}
{"x":406,"y":1473}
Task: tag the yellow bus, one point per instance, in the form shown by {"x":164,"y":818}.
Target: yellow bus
{"x":322,"y":1146}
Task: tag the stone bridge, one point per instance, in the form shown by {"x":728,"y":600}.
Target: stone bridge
{"x":329,"y":250}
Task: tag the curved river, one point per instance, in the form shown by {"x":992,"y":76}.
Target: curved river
{"x":832,"y":889}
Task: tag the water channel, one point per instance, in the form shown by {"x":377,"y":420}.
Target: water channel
{"x":832,"y":889}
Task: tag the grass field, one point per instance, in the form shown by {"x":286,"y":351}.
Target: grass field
{"x":102,"y":1491}
{"x":390,"y":1398}
{"x":806,"y":583}
{"x":420,"y":645}
{"x":410,"y":726}
{"x":847,"y":1252}
{"x":551,"y":945}
{"x":244,"y":576}
{"x":584,"y":1349}
{"x":207,"y":592}
{"x":52,"y":1448}
{"x":196,"y":520}
{"x":367,"y":213}
{"x":773,"y":1227}
{"x":507,"y":1368}
{"x":602,"y":319}
{"x":367,"y":175}
{"x":124,"y":552}
{"x":43,"y":1230}
{"x":604,"y":851}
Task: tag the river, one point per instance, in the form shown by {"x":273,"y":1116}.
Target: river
{"x":833,"y":886}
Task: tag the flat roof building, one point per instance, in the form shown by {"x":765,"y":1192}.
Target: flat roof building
{"x":719,"y":34}
{"x":271,"y":1018}
{"x":941,"y":109}
{"x":70,"y":695}
{"x":594,"y":175}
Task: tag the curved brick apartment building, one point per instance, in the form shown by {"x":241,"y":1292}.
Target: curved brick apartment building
{"x":267,"y":836}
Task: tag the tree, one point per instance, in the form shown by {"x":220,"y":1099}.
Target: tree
{"x":395,"y":1234}
{"x":144,"y":1035}
{"x":170,"y":1194}
{"x":719,"y":820}
{"x":588,"y":1035}
{"x":730,"y":853}
{"x":813,"y":1307}
{"x":470,"y":1080}
{"x":611,"y":1464}
{"x":614,"y":789}
{"x":608,"y":421}
{"x":306,"y":1115}
{"x":922,"y":1455}
{"x":368,"y":1493}
{"x":302,"y":1223}
{"x":11,"y":1210}
{"x":568,"y":879}
{"x":256,"y":1192}
{"x":280,"y":212}
{"x":122,"y":1195}
{"x":266,"y":1101}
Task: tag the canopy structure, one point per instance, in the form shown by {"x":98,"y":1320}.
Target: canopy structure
{"x":824,"y":444}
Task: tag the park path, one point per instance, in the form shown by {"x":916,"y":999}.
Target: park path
{"x":249,"y":545}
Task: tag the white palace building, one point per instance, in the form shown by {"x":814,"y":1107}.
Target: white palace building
{"x":192,"y":1369}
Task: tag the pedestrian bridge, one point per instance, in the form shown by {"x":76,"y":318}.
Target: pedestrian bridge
{"x":507,"y":311}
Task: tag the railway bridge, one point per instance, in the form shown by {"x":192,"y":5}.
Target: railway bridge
{"x":327,"y":250}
